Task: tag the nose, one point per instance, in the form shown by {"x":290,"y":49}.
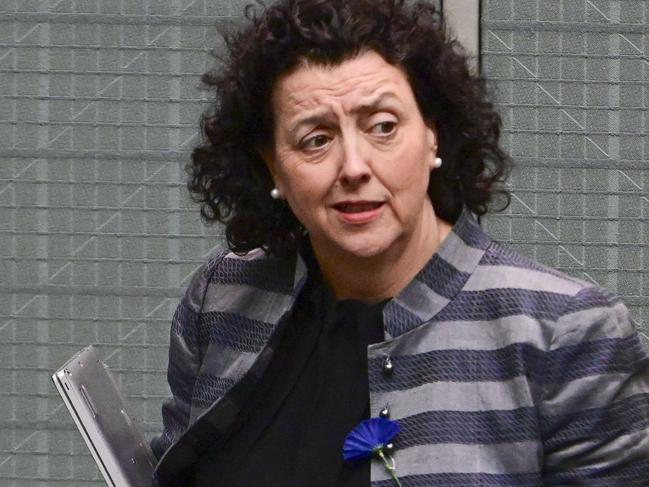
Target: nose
{"x":354,"y":167}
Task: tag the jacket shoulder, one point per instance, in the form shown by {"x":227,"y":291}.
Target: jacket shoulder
{"x":503,"y":268}
{"x":579,"y":308}
{"x":201,"y":277}
{"x":255,"y":269}
{"x":506,"y":259}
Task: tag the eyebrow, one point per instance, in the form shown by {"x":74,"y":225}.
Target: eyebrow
{"x":318,"y":118}
{"x":376,"y":103}
{"x":323,"y":115}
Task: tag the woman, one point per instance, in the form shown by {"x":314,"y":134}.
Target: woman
{"x":348,"y":154}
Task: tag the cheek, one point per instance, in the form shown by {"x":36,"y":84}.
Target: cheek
{"x":303,"y":183}
{"x":306,"y":178}
{"x":409,"y":171}
{"x":306,"y":189}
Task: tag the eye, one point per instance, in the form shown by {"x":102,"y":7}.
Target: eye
{"x":315,"y":142}
{"x":384,"y":128}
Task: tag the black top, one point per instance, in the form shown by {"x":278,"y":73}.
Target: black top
{"x":313,"y":393}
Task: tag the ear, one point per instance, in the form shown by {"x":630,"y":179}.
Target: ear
{"x":431,"y":141}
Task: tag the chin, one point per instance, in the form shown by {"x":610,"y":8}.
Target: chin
{"x":363,"y":248}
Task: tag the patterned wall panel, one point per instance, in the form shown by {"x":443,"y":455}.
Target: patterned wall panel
{"x":571,"y":80}
{"x":99,"y":106}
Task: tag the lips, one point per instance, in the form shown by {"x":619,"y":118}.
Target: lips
{"x":358,"y":212}
{"x":357,"y":207}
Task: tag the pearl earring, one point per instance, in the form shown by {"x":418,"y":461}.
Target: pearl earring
{"x":438,"y":163}
{"x":275,"y":194}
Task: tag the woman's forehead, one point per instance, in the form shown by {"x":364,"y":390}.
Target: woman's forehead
{"x":353,"y":84}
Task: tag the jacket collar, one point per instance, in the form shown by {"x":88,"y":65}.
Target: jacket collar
{"x":438,"y":282}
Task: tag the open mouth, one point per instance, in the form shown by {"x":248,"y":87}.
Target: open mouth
{"x":357,"y":207}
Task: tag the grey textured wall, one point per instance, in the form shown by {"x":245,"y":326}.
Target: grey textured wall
{"x":99,"y":108}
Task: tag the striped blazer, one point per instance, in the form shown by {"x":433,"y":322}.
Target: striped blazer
{"x":500,"y":371}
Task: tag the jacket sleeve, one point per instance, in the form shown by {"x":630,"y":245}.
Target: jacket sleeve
{"x":184,"y":361}
{"x":595,"y":409}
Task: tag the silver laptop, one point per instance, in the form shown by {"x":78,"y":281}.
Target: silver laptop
{"x":115,"y":440}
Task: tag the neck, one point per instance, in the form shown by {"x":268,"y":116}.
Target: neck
{"x":382,"y":276}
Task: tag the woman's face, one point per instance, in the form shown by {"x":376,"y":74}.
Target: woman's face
{"x":353,"y":155}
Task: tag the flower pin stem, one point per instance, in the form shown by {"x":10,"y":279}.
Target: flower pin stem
{"x":389,"y":465}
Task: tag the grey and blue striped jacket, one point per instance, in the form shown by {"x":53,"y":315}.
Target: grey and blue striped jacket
{"x":504,"y":372}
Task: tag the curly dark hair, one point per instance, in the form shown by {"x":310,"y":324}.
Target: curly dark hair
{"x":228,"y":175}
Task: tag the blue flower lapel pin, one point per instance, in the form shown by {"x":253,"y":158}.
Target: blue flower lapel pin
{"x":372,"y":438}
